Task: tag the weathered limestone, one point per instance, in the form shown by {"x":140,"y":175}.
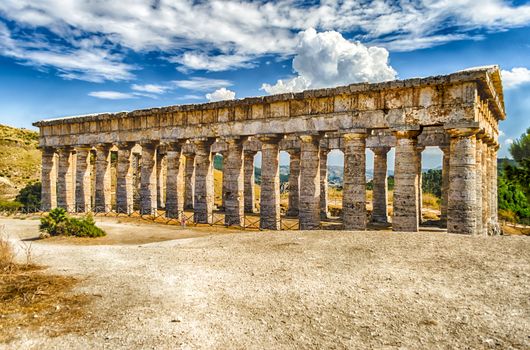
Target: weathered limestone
{"x":233,"y":194}
{"x":103,"y":178}
{"x":354,"y":187}
{"x":324,"y":214}
{"x":270,"y":183}
{"x":405,"y":217}
{"x":494,"y":228}
{"x":461,"y":212}
{"x":82,"y":182}
{"x":445,"y":186}
{"x":478,"y":176}
{"x":48,"y":179}
{"x":250,"y":197}
{"x":380,"y":185}
{"x":485,"y":187}
{"x":148,"y":188}
{"x":294,"y":182}
{"x":310,"y":189}
{"x":420,"y":149}
{"x":174,"y":180}
{"x":124,"y":179}
{"x":161,"y":171}
{"x":204,"y":186}
{"x":65,"y":187}
{"x":189,"y":179}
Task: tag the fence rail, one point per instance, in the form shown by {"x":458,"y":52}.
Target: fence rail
{"x":182,"y":218}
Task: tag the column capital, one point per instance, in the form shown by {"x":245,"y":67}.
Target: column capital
{"x":149,"y":143}
{"x":269,"y":138}
{"x":402,"y":133}
{"x":380,"y":150}
{"x":125,"y":145}
{"x":234,"y":139}
{"x":103,"y":146}
{"x":462,"y":132}
{"x":172,"y":145}
{"x":83,"y":147}
{"x":354,"y":134}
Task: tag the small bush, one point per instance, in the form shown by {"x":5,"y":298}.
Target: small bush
{"x":10,"y":206}
{"x":57,"y":223}
{"x":30,"y":196}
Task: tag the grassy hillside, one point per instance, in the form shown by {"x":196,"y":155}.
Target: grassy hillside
{"x":19,"y":160}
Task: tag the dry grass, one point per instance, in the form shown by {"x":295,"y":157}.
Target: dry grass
{"x":32,"y":299}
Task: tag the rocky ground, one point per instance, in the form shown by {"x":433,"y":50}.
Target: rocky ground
{"x":162,"y":287}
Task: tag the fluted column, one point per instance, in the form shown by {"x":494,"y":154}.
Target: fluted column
{"x":485,"y":187}
{"x":48,"y":179}
{"x":354,"y":185}
{"x":233,"y":194}
{"x":204,"y":185}
{"x":406,"y":204}
{"x":148,"y":190}
{"x":270,"y":183}
{"x":420,"y":149}
{"x":310,"y":184}
{"x":445,"y":186}
{"x":189,"y":179}
{"x":124,"y":178}
{"x":461,"y":212}
{"x":174,"y":201}
{"x":82,"y":179}
{"x":250,"y":196}
{"x":294,"y":182}
{"x":324,"y":214}
{"x":494,"y":228}
{"x":380,"y":185}
{"x":103,"y":178}
{"x":65,"y":186}
{"x":479,"y":228}
{"x":161,"y":170}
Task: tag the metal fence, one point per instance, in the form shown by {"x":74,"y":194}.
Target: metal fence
{"x":181,"y":218}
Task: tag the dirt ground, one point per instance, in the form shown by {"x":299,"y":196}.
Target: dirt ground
{"x":166,"y":287}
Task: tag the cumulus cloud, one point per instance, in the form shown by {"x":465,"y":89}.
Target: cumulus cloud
{"x":220,"y":95}
{"x":112,"y":95}
{"x":515,"y":77}
{"x":220,"y":35}
{"x":328,"y":59}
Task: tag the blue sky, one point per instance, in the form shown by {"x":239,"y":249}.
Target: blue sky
{"x":71,"y":57}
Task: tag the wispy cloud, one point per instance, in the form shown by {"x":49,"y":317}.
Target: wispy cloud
{"x":515,"y":77}
{"x":201,"y":84}
{"x":112,"y":95}
{"x":150,"y":88}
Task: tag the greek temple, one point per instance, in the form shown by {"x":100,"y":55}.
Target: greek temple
{"x":170,"y":150}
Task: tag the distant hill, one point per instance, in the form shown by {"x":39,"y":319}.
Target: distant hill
{"x":19,"y":160}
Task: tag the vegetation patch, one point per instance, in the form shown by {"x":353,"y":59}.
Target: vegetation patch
{"x":58,"y":223}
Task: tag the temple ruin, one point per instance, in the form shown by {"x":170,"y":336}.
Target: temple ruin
{"x":458,"y":112}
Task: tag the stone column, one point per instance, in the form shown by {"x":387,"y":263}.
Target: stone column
{"x":204,"y":185}
{"x":148,"y":186}
{"x":324,"y":214}
{"x":83,"y":189}
{"x":354,"y":185}
{"x":406,"y":204}
{"x":124,"y":178}
{"x":294,"y":182}
{"x":310,"y":184}
{"x":233,"y":178}
{"x":461,"y":212}
{"x":270,"y":183}
{"x":161,"y":169}
{"x":103,"y":178}
{"x":479,"y":229}
{"x":189,"y":179}
{"x":494,"y":228}
{"x":485,"y":187}
{"x":420,"y":184}
{"x":380,"y":185}
{"x":65,"y":186}
{"x":250,"y":197}
{"x":445,"y":186}
{"x":174,"y":180}
{"x":48,"y":179}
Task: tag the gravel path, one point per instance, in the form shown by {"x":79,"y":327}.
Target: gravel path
{"x":292,"y":290}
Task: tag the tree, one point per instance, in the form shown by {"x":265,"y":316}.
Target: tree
{"x":29,"y":196}
{"x":520,"y":148}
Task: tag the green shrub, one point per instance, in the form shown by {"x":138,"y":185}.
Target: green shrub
{"x":29,"y":196}
{"x":10,"y":206}
{"x":57,"y":223}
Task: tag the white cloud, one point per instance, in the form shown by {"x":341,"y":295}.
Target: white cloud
{"x":220,"y":35}
{"x":220,"y":95}
{"x":201,"y":84}
{"x":515,"y":77}
{"x":508,"y":141}
{"x":150,"y":88}
{"x":328,"y":59}
{"x":111,"y":95}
